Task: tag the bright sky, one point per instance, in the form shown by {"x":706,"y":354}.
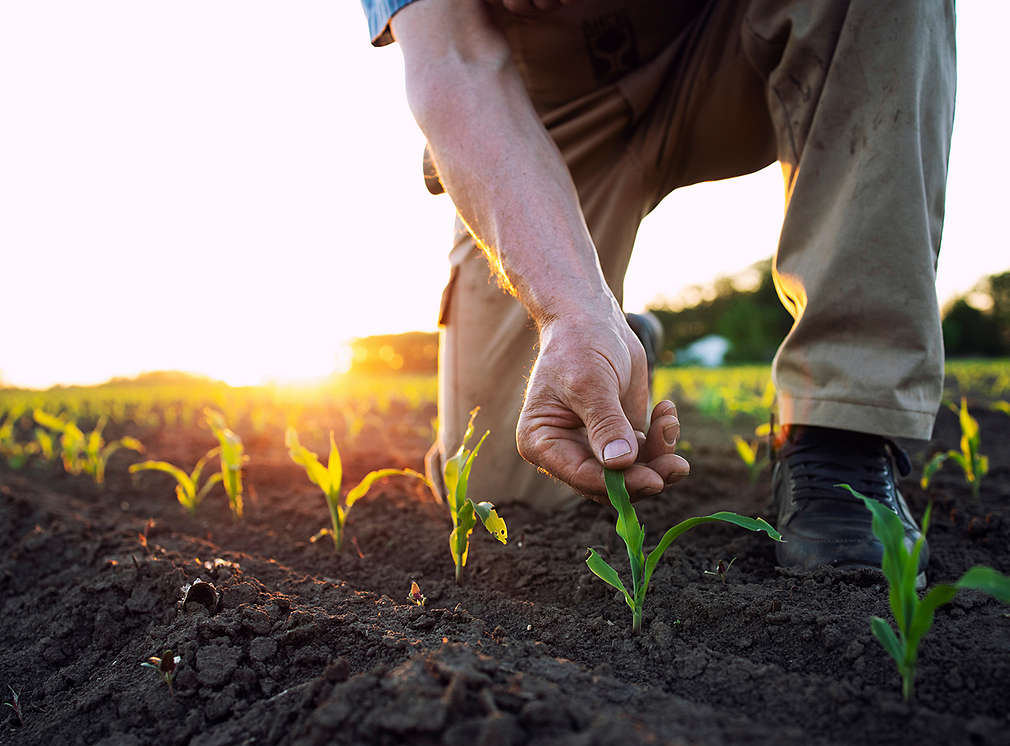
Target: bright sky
{"x":233,"y":187}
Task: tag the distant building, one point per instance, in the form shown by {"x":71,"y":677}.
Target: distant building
{"x":709,"y":351}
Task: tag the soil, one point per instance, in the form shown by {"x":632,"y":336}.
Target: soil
{"x":300,"y":645}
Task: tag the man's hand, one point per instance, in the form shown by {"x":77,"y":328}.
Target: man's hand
{"x":588,"y":393}
{"x":586,"y":407}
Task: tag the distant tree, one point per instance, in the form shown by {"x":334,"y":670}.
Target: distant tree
{"x":999,"y":291}
{"x":754,"y":321}
{"x":967,"y":331}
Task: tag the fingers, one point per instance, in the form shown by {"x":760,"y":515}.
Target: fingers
{"x":659,"y":449}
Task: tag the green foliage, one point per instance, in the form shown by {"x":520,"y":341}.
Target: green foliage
{"x":187,"y":489}
{"x":749,"y":454}
{"x":15,"y":453}
{"x":633,"y":535}
{"x":464,"y":511}
{"x":329,"y":479}
{"x":914,"y":616}
{"x":978,"y":324}
{"x":233,"y":458}
{"x":969,"y":331}
{"x":753,"y":320}
{"x":83,"y":453}
{"x":974,"y":465}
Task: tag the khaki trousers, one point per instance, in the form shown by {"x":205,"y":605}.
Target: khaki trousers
{"x":854,"y":99}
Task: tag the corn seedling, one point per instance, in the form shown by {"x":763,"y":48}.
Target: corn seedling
{"x":87,"y":454}
{"x":329,"y":479}
{"x":14,"y":452}
{"x":633,"y":534}
{"x":232,"y":459}
{"x":167,"y":665}
{"x":721,"y":569}
{"x":974,"y":465}
{"x":187,"y":488}
{"x":464,"y":511}
{"x":749,"y":454}
{"x":1002,"y":406}
{"x":415,"y":596}
{"x":45,"y":444}
{"x":914,"y":616}
{"x":15,"y":705}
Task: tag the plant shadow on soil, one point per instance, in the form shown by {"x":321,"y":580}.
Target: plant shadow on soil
{"x":307,"y":647}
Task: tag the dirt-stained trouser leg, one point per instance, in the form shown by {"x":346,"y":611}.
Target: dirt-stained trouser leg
{"x":862,"y":97}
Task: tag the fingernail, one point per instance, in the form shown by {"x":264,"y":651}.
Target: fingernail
{"x":671,"y":432}
{"x":616,"y":449}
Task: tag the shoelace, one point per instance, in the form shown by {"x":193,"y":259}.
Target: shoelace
{"x":816,"y":467}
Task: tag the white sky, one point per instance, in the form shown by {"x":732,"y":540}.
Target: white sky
{"x":233,"y":187}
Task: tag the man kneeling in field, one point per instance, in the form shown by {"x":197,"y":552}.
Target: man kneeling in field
{"x":557,"y":125}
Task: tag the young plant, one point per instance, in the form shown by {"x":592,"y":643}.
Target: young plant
{"x":15,"y":705}
{"x":974,"y":465}
{"x":45,"y":444}
{"x":167,"y":665}
{"x":14,"y":452}
{"x":329,"y":479}
{"x":914,"y":616}
{"x":464,"y":511}
{"x":187,"y":489}
{"x":232,"y":459}
{"x":749,"y":454}
{"x":633,"y":534}
{"x":415,"y":596}
{"x":87,"y":454}
{"x":721,"y":569}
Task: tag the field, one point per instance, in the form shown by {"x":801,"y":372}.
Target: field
{"x":297,"y":644}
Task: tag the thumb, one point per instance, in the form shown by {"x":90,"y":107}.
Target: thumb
{"x":611,"y":436}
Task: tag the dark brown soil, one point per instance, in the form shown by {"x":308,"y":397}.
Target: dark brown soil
{"x":308,"y":647}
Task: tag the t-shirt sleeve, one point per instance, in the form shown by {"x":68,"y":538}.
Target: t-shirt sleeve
{"x":378,"y":13}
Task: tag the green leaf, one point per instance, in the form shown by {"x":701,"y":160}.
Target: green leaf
{"x":335,"y":468}
{"x":464,"y":475}
{"x":887,"y":527}
{"x":932,"y":466}
{"x":752,"y":524}
{"x":922,"y":619}
{"x":969,"y":425}
{"x":183,"y":479}
{"x":454,"y":464}
{"x":459,"y":539}
{"x":316,"y":472}
{"x":883,"y":632}
{"x":628,"y":527}
{"x":361,"y":488}
{"x":608,"y":575}
{"x":198,"y":469}
{"x":961,"y":460}
{"x":987,"y":580}
{"x":47,"y":420}
{"x":491,"y":520}
{"x":208,"y":485}
{"x":746,"y":451}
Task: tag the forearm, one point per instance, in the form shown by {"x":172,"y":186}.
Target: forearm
{"x":506,"y":177}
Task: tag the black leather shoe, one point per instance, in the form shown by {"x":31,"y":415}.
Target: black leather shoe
{"x":823,"y":524}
